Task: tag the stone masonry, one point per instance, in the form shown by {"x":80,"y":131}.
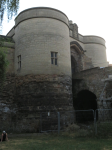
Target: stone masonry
{"x":25,"y":97}
{"x":94,"y":80}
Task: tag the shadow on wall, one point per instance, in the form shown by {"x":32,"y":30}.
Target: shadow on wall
{"x":85,"y":100}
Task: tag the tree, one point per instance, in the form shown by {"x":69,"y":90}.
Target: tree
{"x":10,"y":6}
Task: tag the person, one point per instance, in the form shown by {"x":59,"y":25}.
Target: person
{"x":4,"y":136}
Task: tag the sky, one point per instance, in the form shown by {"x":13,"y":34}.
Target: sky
{"x":93,"y":17}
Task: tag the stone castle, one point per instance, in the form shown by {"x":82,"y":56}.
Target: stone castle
{"x":50,"y":65}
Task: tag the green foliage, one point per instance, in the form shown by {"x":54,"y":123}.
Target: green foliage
{"x":5,"y":39}
{"x":3,"y":64}
{"x":10,"y":6}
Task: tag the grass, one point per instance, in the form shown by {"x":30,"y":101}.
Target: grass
{"x":74,"y":137}
{"x":56,"y":142}
{"x":104,"y":129}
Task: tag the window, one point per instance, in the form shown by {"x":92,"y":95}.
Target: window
{"x":54,"y":58}
{"x":19,"y":62}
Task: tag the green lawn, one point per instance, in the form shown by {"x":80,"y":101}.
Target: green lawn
{"x":55,"y":142}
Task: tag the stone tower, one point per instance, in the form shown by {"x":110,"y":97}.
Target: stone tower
{"x":42,"y":54}
{"x":42,"y":64}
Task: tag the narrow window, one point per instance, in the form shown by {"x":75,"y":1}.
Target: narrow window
{"x":19,"y":62}
{"x":54,"y":58}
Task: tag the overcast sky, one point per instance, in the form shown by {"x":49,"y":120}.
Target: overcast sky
{"x":93,"y":17}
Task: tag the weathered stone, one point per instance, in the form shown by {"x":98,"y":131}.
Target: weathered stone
{"x":28,"y":96}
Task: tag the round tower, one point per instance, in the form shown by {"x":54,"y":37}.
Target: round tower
{"x":96,"y":50}
{"x":42,"y":42}
{"x":42,"y":61}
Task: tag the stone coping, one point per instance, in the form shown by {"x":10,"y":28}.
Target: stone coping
{"x":42,"y":8}
{"x":41,"y":12}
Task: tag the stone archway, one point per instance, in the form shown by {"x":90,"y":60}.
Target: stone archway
{"x":85,"y":100}
{"x":82,"y":62}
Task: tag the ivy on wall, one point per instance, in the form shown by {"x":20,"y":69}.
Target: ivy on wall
{"x":3,"y":62}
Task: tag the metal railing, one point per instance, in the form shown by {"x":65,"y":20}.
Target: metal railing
{"x":58,"y":121}
{"x":103,"y":121}
{"x":99,"y":122}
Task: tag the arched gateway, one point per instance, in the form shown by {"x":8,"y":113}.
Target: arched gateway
{"x":83,"y":99}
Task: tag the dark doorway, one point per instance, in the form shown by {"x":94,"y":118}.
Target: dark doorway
{"x":85,"y":100}
{"x":73,"y":65}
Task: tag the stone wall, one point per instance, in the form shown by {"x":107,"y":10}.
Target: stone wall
{"x":94,"y":80}
{"x":94,"y":48}
{"x":7,"y":102}
{"x":25,"y":97}
{"x":76,"y":60}
{"x":47,"y":92}
{"x":79,"y":61}
{"x":7,"y":95}
{"x":87,"y":62}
